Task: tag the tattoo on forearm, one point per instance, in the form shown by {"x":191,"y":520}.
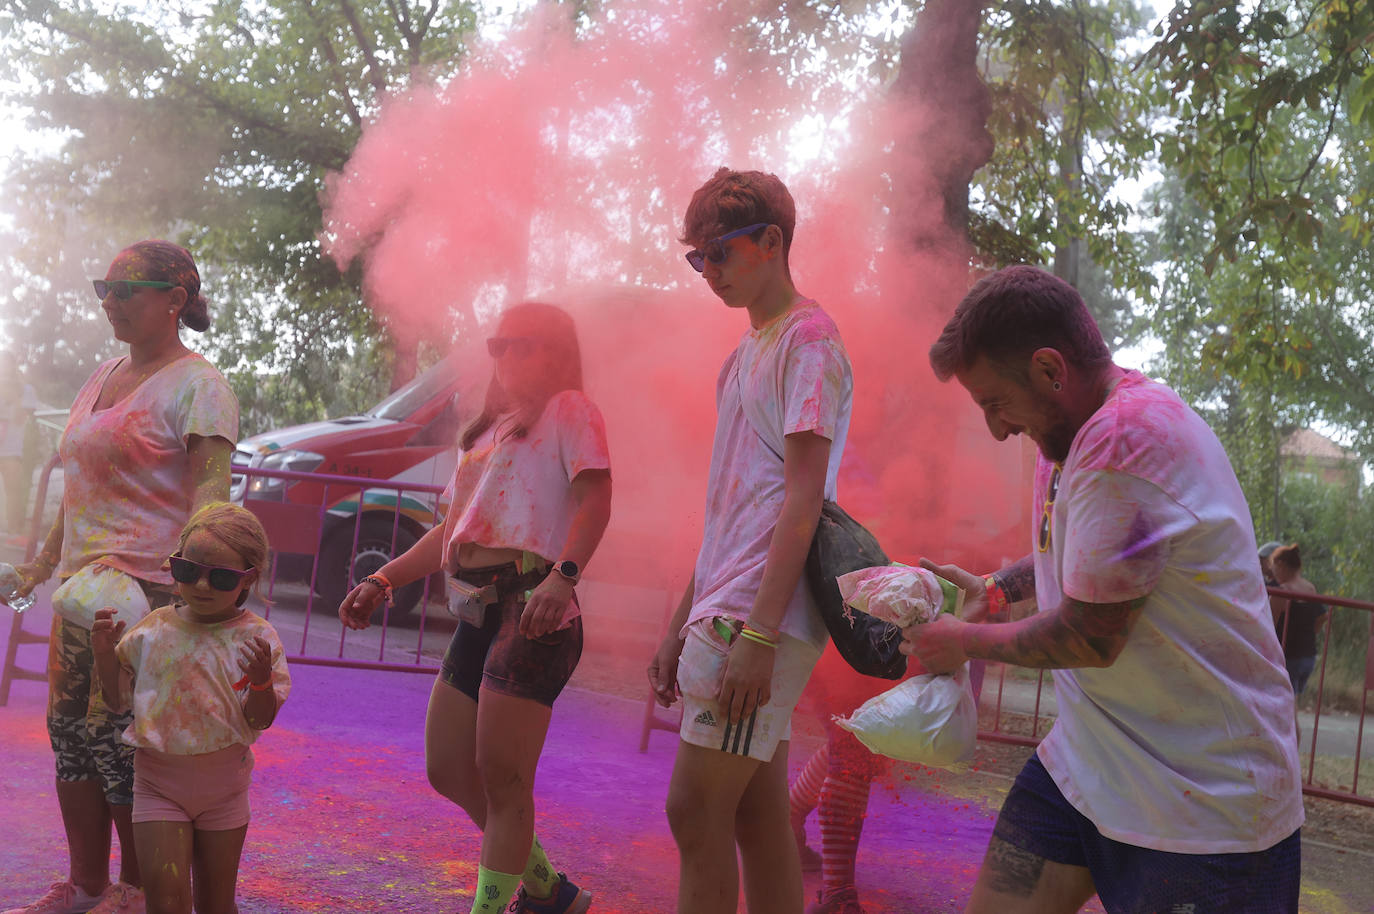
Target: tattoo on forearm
{"x":1017,"y":580}
{"x":1011,"y":870}
{"x":1075,"y":635}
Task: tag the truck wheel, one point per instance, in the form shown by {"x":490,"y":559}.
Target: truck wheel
{"x":373,"y":551}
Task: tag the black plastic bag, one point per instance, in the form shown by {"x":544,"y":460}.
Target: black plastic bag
{"x":842,"y":545}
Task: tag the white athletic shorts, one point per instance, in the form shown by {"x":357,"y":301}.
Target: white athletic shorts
{"x":704,"y":722}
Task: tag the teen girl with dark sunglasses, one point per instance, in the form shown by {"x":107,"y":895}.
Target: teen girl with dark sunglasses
{"x":202,"y":677}
{"x":529,"y":501}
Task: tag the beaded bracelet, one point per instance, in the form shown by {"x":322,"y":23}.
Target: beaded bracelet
{"x":379,"y":580}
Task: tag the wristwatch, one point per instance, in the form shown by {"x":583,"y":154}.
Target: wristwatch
{"x":568,"y":569}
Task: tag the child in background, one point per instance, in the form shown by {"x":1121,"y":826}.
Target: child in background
{"x":529,"y":500}
{"x":202,"y":676}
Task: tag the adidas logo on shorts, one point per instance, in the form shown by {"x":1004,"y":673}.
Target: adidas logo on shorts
{"x":706,"y":718}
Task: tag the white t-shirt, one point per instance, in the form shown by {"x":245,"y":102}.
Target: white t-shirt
{"x":1186,"y":743}
{"x":790,"y":376}
{"x":13,"y":417}
{"x":127,"y":483}
{"x":516,"y":493}
{"x":184,"y":677}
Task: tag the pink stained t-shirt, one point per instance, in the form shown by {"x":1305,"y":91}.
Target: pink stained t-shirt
{"x":792,"y":375}
{"x":184,"y":673}
{"x":1186,"y":742}
{"x":127,"y":484}
{"x":516,"y":493}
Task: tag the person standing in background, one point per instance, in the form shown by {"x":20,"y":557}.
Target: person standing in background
{"x":1296,"y":622}
{"x":18,"y":400}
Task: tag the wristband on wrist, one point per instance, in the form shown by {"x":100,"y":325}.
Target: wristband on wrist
{"x":380,"y":581}
{"x":266,"y":686}
{"x":997,"y":598}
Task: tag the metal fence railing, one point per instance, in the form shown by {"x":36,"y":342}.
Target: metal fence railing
{"x":1019,"y":710}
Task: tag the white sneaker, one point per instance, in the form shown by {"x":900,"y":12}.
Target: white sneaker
{"x":120,"y":898}
{"x":62,"y":898}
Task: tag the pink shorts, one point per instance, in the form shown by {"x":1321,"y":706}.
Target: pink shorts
{"x":210,"y":791}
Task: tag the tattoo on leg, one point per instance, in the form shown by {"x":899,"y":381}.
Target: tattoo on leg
{"x":1012,"y":870}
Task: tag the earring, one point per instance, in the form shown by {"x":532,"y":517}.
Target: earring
{"x":1058,"y":387}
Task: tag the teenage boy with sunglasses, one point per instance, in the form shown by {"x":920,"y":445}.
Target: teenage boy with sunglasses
{"x":1170,"y":780}
{"x":746,"y":635}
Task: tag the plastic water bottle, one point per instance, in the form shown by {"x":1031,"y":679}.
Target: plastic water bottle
{"x":10,"y":582}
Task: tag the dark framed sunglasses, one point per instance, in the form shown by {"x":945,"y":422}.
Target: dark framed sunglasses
{"x":715,"y":250}
{"x":123,"y":289}
{"x":520,"y":347}
{"x":185,"y":571}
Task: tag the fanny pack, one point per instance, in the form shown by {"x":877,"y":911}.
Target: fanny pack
{"x":472,"y":590}
{"x":97,"y":586}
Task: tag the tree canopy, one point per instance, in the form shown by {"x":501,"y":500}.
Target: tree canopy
{"x":1245,"y":263}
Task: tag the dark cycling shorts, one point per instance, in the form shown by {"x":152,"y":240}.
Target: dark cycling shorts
{"x":1137,"y":880}
{"x":496,"y":656}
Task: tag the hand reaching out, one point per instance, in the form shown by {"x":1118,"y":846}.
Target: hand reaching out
{"x":255,"y":659}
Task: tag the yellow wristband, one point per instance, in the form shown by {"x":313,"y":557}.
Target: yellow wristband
{"x":757,"y":638}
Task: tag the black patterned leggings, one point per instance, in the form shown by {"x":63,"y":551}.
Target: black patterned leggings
{"x":86,"y":736}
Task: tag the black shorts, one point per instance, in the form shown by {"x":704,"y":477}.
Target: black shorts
{"x":1137,"y":880}
{"x":496,"y":656}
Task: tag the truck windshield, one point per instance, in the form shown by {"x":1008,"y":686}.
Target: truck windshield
{"x":405,"y":401}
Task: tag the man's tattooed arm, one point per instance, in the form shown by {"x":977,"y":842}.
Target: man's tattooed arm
{"x":1074,"y":635}
{"x":1017,"y":581}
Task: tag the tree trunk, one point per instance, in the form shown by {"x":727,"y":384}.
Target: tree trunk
{"x":948,"y":139}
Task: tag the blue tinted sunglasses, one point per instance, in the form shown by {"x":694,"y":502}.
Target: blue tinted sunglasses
{"x":715,"y":251}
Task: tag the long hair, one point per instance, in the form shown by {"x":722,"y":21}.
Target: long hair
{"x":554,"y":329}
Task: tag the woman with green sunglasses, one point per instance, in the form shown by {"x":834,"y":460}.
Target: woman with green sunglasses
{"x":147,"y":444}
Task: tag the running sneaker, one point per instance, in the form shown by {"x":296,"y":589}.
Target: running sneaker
{"x":840,"y":900}
{"x":61,"y":898}
{"x":121,"y":898}
{"x":566,"y":899}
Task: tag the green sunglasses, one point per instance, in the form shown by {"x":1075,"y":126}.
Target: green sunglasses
{"x":123,"y":289}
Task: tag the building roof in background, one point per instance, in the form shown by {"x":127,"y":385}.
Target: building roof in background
{"x":1306,"y":443}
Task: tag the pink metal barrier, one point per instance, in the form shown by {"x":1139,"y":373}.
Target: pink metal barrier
{"x":1020,"y":715}
{"x":375,"y":520}
{"x":357,"y":523}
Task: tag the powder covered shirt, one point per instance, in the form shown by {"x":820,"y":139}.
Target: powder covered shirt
{"x":790,"y":376}
{"x":127,"y":483}
{"x":1185,"y":743}
{"x":184,"y":672}
{"x":516,"y":493}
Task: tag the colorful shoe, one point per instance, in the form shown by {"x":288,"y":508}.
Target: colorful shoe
{"x":566,"y":899}
{"x":841,"y":900}
{"x":121,"y":898}
{"x":61,"y":898}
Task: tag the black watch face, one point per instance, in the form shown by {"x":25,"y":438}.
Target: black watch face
{"x":567,"y":569}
